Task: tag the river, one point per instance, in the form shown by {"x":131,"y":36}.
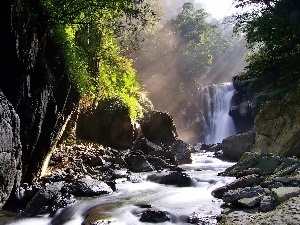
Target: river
{"x":122,"y":207}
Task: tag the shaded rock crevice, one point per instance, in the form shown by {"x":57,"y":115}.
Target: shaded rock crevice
{"x":34,"y":80}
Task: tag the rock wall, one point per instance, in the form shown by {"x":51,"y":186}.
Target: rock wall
{"x":243,"y":110}
{"x":10,"y":149}
{"x":277,"y":127}
{"x":34,"y":80}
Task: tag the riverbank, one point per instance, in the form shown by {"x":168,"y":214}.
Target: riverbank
{"x":184,"y":196}
{"x":285,"y":214}
{"x":266,"y":191}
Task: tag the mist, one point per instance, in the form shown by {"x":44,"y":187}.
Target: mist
{"x":174,"y":88}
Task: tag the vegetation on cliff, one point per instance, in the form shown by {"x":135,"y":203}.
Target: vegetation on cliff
{"x":272,"y":31}
{"x":94,"y":37}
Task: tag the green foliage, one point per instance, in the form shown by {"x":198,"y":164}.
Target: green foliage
{"x":199,"y":42}
{"x":93,"y":35}
{"x":113,"y":83}
{"x":75,"y":57}
{"x":190,"y":40}
{"x":272,"y":32}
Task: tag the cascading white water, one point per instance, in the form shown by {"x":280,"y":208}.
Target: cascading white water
{"x":215,"y":103}
{"x":121,"y":207}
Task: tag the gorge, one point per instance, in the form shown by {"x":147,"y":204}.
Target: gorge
{"x":54,"y":154}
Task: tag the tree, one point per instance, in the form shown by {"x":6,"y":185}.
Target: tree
{"x":272,"y":31}
{"x":94,"y":34}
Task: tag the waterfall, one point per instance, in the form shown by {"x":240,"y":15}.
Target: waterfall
{"x":214,"y":105}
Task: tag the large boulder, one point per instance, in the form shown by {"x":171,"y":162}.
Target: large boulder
{"x":109,"y":124}
{"x":182,"y":152}
{"x":277,"y":127}
{"x":137,"y":162}
{"x":235,"y":146}
{"x":10,"y":149}
{"x":159,"y":128}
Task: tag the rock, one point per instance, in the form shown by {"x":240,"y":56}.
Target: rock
{"x":98,"y":222}
{"x":244,"y":109}
{"x":90,"y":187}
{"x":145,"y":145}
{"x":267,"y":203}
{"x":21,"y":197}
{"x":137,"y":162}
{"x":95,"y":216}
{"x":250,"y":171}
{"x":182,"y":152}
{"x":239,"y":193}
{"x":277,"y":127}
{"x":159,"y":128}
{"x":10,"y":149}
{"x":234,"y":147}
{"x":96,"y":161}
{"x":35,"y":81}
{"x":60,"y":202}
{"x":266,"y":163}
{"x":246,"y":181}
{"x":157,"y":162}
{"x":283,"y":194}
{"x":249,"y":202}
{"x":151,"y":216}
{"x":177,"y":178}
{"x":196,"y":218}
{"x":165,"y":155}
{"x":43,"y":198}
{"x":109,"y":124}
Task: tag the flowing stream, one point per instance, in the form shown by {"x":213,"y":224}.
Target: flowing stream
{"x":121,"y":207}
{"x":214,"y":105}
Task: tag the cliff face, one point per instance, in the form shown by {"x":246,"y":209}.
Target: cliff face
{"x":10,"y":149}
{"x":34,"y":82}
{"x":277,"y":127}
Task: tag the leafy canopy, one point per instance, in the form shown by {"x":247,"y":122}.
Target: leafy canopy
{"x":94,"y":35}
{"x":272,"y":30}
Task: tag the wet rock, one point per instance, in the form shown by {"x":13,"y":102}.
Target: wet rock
{"x":177,"y":178}
{"x":98,"y":222}
{"x":157,"y":162}
{"x":43,"y":198}
{"x":151,"y":216}
{"x":267,"y":203}
{"x":145,"y":145}
{"x":61,"y":201}
{"x":90,"y":187}
{"x":137,"y":162}
{"x":182,"y":152}
{"x":21,"y":197}
{"x":145,"y":206}
{"x":165,"y":155}
{"x":95,"y":216}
